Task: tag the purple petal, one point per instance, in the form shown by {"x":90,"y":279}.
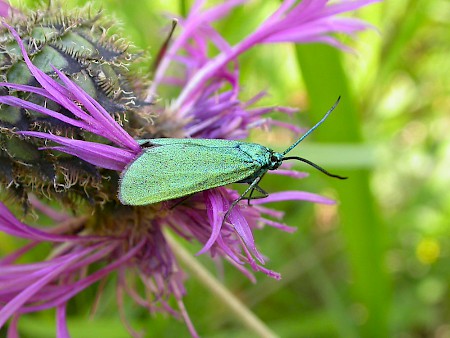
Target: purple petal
{"x":292,"y":196}
{"x":11,"y":225}
{"x":306,"y":21}
{"x":27,"y":88}
{"x":14,"y":305}
{"x":290,"y":173}
{"x":98,"y":154}
{"x":191,"y":24}
{"x":270,"y":212}
{"x":228,"y":251}
{"x":61,"y":322}
{"x":55,"y":215}
{"x":98,"y":121}
{"x":11,"y":258}
{"x":82,"y":284}
{"x":13,"y":331}
{"x":242,"y":269}
{"x":57,"y":91}
{"x":5,"y":9}
{"x":114,"y":131}
{"x":16,"y":102}
{"x":278,"y":225}
{"x":215,"y":209}
{"x":241,"y":226}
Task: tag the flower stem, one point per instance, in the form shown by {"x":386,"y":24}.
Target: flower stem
{"x":241,"y":312}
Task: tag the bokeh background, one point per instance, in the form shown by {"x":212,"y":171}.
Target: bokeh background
{"x":375,"y":265}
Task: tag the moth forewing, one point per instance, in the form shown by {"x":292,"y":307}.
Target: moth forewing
{"x":175,"y":169}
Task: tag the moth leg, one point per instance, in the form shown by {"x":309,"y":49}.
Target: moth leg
{"x":250,"y":197}
{"x":181,"y":201}
{"x":251,"y":186}
{"x":255,"y":187}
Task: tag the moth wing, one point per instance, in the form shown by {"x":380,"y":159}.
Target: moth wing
{"x":174,"y":170}
{"x":209,"y":143}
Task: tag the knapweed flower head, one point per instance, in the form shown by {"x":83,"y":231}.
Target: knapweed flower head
{"x":71,"y":115}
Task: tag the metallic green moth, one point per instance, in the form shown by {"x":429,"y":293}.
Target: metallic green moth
{"x":170,"y":168}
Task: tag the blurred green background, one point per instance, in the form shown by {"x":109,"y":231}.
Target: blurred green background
{"x":375,"y":265}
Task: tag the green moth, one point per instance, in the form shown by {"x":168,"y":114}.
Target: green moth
{"x":170,"y":168}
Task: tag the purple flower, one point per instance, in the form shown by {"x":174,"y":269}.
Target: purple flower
{"x":132,"y":239}
{"x":5,"y":9}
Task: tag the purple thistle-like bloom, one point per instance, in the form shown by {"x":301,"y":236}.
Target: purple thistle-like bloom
{"x":133,"y":238}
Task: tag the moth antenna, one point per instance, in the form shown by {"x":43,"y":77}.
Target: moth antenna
{"x":312,"y":164}
{"x":313,"y":128}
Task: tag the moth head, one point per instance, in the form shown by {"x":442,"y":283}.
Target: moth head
{"x":276,"y":159}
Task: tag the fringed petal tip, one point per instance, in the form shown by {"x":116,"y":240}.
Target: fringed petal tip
{"x":294,"y":196}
